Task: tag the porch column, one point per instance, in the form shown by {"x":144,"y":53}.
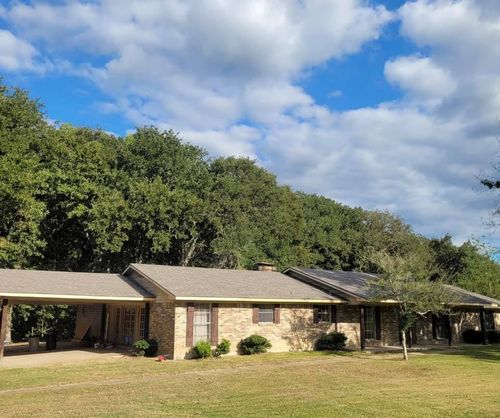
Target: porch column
{"x":483,"y":325}
{"x":450,"y":331}
{"x":4,"y":319}
{"x":362,"y":341}
{"x":103,"y":322}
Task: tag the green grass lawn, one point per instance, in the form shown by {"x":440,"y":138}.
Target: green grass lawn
{"x":464,"y":383}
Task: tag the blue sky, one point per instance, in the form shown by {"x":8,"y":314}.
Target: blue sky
{"x":389,"y":105}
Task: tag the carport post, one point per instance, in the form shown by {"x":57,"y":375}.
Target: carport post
{"x":362,"y":340}
{"x":483,"y":325}
{"x":102,"y":333}
{"x":4,"y":319}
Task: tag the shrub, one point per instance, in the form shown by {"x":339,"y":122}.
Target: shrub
{"x":203,"y":349}
{"x":471,"y":336}
{"x":140,"y":347}
{"x":255,"y":344}
{"x":223,"y":348}
{"x":493,"y":336}
{"x":333,"y":341}
{"x":152,"y":350}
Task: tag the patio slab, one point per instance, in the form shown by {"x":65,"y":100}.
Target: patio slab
{"x":19,"y":358}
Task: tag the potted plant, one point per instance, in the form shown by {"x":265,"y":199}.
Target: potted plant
{"x":35,"y":334}
{"x":33,"y":339}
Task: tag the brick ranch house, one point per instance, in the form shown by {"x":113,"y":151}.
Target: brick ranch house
{"x":178,"y":306}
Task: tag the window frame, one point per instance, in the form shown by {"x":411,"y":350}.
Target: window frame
{"x":370,"y":323}
{"x":440,"y":329}
{"x":266,"y":310}
{"x":489,"y":320}
{"x":202,"y":309}
{"x":320,"y":311}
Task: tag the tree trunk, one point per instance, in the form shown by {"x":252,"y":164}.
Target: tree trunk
{"x":403,"y":341}
{"x":188,"y":251}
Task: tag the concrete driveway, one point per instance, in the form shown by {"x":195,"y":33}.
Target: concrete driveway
{"x":16,"y":357}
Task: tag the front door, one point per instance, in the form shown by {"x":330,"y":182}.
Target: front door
{"x":128,"y":325}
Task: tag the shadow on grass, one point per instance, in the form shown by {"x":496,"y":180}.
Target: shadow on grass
{"x":490,"y":353}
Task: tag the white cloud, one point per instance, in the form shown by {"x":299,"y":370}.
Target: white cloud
{"x":335,"y":93}
{"x":421,"y":78}
{"x":15,"y":53}
{"x":198,"y":65}
{"x":225,"y":74}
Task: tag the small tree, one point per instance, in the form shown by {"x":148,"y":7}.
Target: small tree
{"x":404,"y":280}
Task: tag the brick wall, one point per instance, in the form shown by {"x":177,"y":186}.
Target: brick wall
{"x":296,"y":330}
{"x":348,"y":323}
{"x":389,"y":326}
{"x":162,"y":327}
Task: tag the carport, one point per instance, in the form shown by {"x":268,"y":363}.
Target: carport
{"x":96,"y":292}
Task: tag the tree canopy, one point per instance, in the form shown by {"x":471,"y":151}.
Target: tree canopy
{"x":80,"y":199}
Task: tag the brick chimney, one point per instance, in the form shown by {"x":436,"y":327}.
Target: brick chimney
{"x":264,"y":266}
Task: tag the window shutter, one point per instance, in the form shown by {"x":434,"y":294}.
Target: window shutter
{"x":333,"y":313}
{"x":189,"y":324}
{"x":316,"y":314}
{"x":277,"y":316}
{"x":214,"y":326}
{"x":255,"y":314}
{"x":378,"y":330}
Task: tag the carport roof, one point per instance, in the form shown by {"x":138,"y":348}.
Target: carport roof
{"x":44,"y":285}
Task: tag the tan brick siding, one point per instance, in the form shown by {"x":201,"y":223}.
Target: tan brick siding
{"x":348,"y":323}
{"x":389,"y":326}
{"x":459,"y":320}
{"x":497,"y":320}
{"x":161,"y":327}
{"x":296,"y":330}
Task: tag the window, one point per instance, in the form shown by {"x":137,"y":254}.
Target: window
{"x":266,"y":313}
{"x":324,"y":313}
{"x":128,"y":325}
{"x":440,"y":325}
{"x":370,"y":323}
{"x":489,"y":320}
{"x":142,"y":323}
{"x":201,"y":322}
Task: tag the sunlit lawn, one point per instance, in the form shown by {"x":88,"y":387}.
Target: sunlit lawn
{"x":465,"y":383}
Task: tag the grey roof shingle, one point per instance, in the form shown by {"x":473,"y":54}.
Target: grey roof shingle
{"x":468,"y":297}
{"x":357,"y":284}
{"x":350,"y":281}
{"x":61,"y":283}
{"x":195,"y":282}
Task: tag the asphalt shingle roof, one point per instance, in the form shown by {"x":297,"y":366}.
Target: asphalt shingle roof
{"x":357,"y":284}
{"x":196,"y":282}
{"x":61,"y":283}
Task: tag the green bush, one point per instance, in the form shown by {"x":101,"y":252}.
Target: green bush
{"x":254,"y":344}
{"x":332,"y":341}
{"x":152,"y":350}
{"x":493,"y":336}
{"x":140,"y":347}
{"x":471,"y":336}
{"x":203,"y":349}
{"x":223,"y":348}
